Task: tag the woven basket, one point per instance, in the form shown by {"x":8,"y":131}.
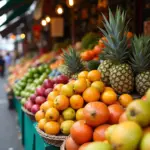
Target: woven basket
{"x":30,"y":115}
{"x":52,"y":139}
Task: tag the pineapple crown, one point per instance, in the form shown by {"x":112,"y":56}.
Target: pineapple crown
{"x":140,"y":56}
{"x":73,"y":61}
{"x":116,"y":48}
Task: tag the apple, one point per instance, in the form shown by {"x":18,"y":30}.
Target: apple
{"x":33,"y":97}
{"x":35,"y":108}
{"x":28,"y":105}
{"x":47,"y":91}
{"x":39,"y":100}
{"x":62,"y":79}
{"x":48,"y":83}
{"x":23,"y":101}
{"x":40,"y":91}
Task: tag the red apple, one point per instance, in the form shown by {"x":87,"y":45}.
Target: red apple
{"x":48,"y":83}
{"x":40,"y":91}
{"x":35,"y":108}
{"x":62,"y":79}
{"x":28,"y":105}
{"x":39,"y":100}
{"x":47,"y":91}
{"x":55,"y":80}
{"x":33,"y":97}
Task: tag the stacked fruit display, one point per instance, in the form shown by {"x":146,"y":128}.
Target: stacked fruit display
{"x":65,"y":104}
{"x":33,"y":78}
{"x":33,"y":103}
{"x":97,"y":131}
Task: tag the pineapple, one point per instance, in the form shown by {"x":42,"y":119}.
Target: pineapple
{"x":116,"y":51}
{"x":104,"y":69}
{"x":140,"y":61}
{"x":72,"y":63}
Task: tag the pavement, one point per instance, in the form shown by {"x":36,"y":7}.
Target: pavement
{"x":10,"y":138}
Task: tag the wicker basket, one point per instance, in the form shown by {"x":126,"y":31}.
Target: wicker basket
{"x":52,"y":139}
{"x":31,"y":115}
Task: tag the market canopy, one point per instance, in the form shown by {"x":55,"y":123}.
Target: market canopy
{"x":22,"y":7}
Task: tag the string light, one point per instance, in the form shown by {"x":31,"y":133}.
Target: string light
{"x":43,"y":22}
{"x":48,"y":19}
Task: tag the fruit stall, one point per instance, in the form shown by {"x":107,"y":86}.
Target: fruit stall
{"x":96,"y":98}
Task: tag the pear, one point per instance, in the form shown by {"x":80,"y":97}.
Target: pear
{"x":139,"y":111}
{"x":99,"y":146}
{"x":65,"y":126}
{"x":145,"y":142}
{"x":126,"y":136}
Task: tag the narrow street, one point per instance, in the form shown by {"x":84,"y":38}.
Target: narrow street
{"x":9,"y":130}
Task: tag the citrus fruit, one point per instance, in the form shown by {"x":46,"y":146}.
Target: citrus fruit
{"x":79,"y":114}
{"x":58,"y":87}
{"x":76,"y":101}
{"x":41,"y":123}
{"x":94,"y":75}
{"x":91,"y":94}
{"x":80,"y":85}
{"x":52,"y":128}
{"x":61,"y":102}
{"x":52,"y":95}
{"x":39,"y":115}
{"x":52,"y":114}
{"x":83,"y":74}
{"x":109,"y":97}
{"x":98,"y":85}
{"x":46,"y":105}
{"x":125,"y":99}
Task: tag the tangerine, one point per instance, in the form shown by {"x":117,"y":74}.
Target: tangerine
{"x":76,"y":101}
{"x":125,"y":99}
{"x":52,"y":95}
{"x":52,"y":128}
{"x":42,"y":123}
{"x":61,"y":102}
{"x":109,"y":97}
{"x":39,"y":115}
{"x":80,"y":114}
{"x":52,"y":114}
{"x":83,"y":74}
{"x":91,"y":94}
{"x":46,"y":105}
{"x":94,"y":75}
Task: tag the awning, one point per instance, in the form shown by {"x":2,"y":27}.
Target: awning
{"x":18,"y":12}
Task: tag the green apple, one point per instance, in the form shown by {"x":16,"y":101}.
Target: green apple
{"x":35,"y":75}
{"x":41,"y":69}
{"x":23,"y":100}
{"x":30,"y":80}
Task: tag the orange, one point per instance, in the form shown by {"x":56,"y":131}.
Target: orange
{"x":71,"y":82}
{"x":52,"y":95}
{"x":39,"y":115}
{"x":98,"y":85}
{"x":91,"y":94}
{"x":94,"y":75}
{"x":76,"y":101}
{"x":52,"y":128}
{"x":46,"y":105}
{"x":52,"y":114}
{"x":109,"y":97}
{"x":41,"y":124}
{"x":108,"y":89}
{"x":61,"y":102}
{"x":125,"y":99}
{"x":58,"y":87}
{"x":80,"y":85}
{"x":83,"y":74}
{"x":79,"y":114}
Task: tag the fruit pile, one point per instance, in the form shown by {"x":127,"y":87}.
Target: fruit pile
{"x":32,"y":79}
{"x":33,"y":103}
{"x":77,"y":100}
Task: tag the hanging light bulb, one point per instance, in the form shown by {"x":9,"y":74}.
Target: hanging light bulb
{"x":59,"y":10}
{"x":70,"y":3}
{"x":48,"y":19}
{"x":43,"y":22}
